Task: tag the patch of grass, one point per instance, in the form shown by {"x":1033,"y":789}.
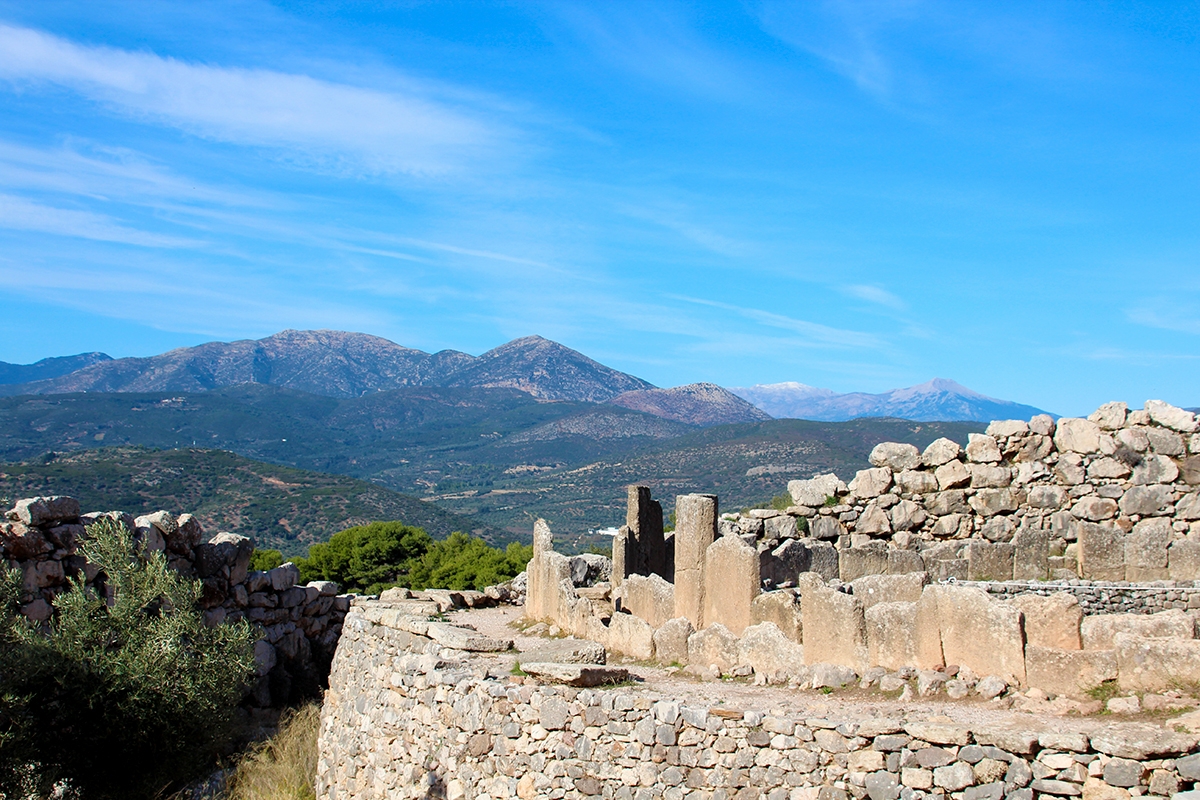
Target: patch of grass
{"x":285,"y":766}
{"x":826,"y":690}
{"x":831,"y":501}
{"x":516,"y":669}
{"x":1104,"y":691}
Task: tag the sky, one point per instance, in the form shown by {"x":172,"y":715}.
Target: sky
{"x":853,"y":195}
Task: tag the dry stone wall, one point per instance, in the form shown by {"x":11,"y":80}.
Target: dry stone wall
{"x":299,"y":625}
{"x":409,"y":717}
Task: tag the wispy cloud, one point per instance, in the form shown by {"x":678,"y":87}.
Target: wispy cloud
{"x":676,"y":220}
{"x":875,"y":294}
{"x":1167,"y":315}
{"x":816,"y":333}
{"x":17,"y":213}
{"x":332,"y":125}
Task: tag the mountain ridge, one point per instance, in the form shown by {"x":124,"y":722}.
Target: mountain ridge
{"x":701,"y":404}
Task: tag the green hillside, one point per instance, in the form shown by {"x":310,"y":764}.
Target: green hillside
{"x":281,"y":507}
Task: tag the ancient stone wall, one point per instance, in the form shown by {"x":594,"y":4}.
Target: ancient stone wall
{"x":299,"y":625}
{"x":406,"y":717}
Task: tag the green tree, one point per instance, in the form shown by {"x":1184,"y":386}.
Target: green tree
{"x":264,"y":560}
{"x":464,"y":562}
{"x":121,"y":697}
{"x":367,"y":558}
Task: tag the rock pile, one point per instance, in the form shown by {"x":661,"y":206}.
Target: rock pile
{"x":300,"y":624}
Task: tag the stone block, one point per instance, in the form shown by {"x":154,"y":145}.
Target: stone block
{"x":940,"y":451}
{"x":566,"y":651}
{"x":1151,"y":470}
{"x":826,"y":560}
{"x":874,"y":589}
{"x":873,"y":520}
{"x":1051,"y":621}
{"x":989,"y":502}
{"x":815,"y":491}
{"x":951,"y":501}
{"x":1152,"y":665}
{"x":1077,"y":436}
{"x":990,"y":561}
{"x":1068,"y":672}
{"x":914,"y":481}
{"x":1183,"y":560}
{"x":1146,"y":551}
{"x":782,"y":608}
{"x":1172,"y":417}
{"x":855,"y":562}
{"x":695,"y":529}
{"x":671,"y":641}
{"x":772,"y":654}
{"x":649,"y":597}
{"x":1101,"y":551}
{"x":630,"y":635}
{"x":982,"y":449}
{"x":895,"y":455}
{"x":1030,"y":554}
{"x":714,"y":645}
{"x":579,"y":675}
{"x":826,"y":528}
{"x":780,"y":527}
{"x":902,"y":562}
{"x":1099,"y":632}
{"x":952,"y":475}
{"x":834,"y":629}
{"x":785,"y":562}
{"x":870,"y":483}
{"x":980,"y":633}
{"x":1147,"y":500}
{"x":644,"y":519}
{"x":49,"y":510}
{"x":731,"y":583}
{"x":927,"y":632}
{"x":891,"y":636}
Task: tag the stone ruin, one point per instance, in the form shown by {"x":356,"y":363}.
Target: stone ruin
{"x":300,"y":625}
{"x":979,"y":568}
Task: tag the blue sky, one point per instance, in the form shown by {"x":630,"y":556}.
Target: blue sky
{"x":856,"y":195}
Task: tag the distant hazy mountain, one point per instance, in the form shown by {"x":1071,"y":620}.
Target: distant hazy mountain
{"x":696,"y":404}
{"x":340,"y":364}
{"x":939,"y":399}
{"x":47,"y":367}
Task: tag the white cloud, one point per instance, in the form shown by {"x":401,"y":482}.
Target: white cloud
{"x":875,"y":294}
{"x":331,"y":124}
{"x":17,"y":213}
{"x":816,"y":333}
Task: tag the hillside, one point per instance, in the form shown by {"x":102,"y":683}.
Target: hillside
{"x":696,"y":404}
{"x":341,"y":364}
{"x":280,"y":507}
{"x":47,"y":367}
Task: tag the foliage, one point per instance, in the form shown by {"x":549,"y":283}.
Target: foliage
{"x":464,"y":562}
{"x":117,"y":699}
{"x":367,"y":558}
{"x":263,"y":560}
{"x":1104,"y":691}
{"x":782,"y":502}
{"x":285,"y":766}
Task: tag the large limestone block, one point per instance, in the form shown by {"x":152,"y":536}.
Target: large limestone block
{"x":630,"y":635}
{"x":982,"y":449}
{"x":671,"y":641}
{"x":1030,"y":554}
{"x":1151,"y":665}
{"x":649,"y":597}
{"x":781,"y":608}
{"x":1188,"y":507}
{"x":1110,"y":416}
{"x":1154,"y":469}
{"x":981,"y":633}
{"x":874,"y":520}
{"x":731,"y":582}
{"x":50,"y":510}
{"x":891,"y":636}
{"x":989,"y":476}
{"x":826,"y":560}
{"x":1094,"y":508}
{"x":902,"y":562}
{"x":1068,"y":672}
{"x":989,"y":502}
{"x":1099,"y":632}
{"x":644,"y":518}
{"x":854,"y":562}
{"x":815,"y":491}
{"x":927,"y":632}
{"x":1050,"y":497}
{"x":714,"y":645}
{"x":906,"y":516}
{"x":695,"y":529}
{"x":1003,"y":428}
{"x":785,"y":562}
{"x":1077,"y":436}
{"x":826,"y":528}
{"x":566,"y":651}
{"x":940,"y":451}
{"x":870,"y":483}
{"x":951,"y":501}
{"x":914,"y":481}
{"x":875,"y":589}
{"x":1170,"y":416}
{"x":834,"y":629}
{"x":1101,"y":551}
{"x":895,"y":456}
{"x":772,"y":654}
{"x":780,"y":527}
{"x":1051,"y":621}
{"x":624,"y":556}
{"x":1165,"y":442}
{"x":1183,"y":560}
{"x":1146,"y":550}
{"x":952,"y":475}
{"x":1147,"y":500}
{"x":990,"y":561}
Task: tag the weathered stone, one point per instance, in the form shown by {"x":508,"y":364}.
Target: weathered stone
{"x":731,"y":583}
{"x":1054,"y":787}
{"x":988,"y":561}
{"x":834,"y":629}
{"x":1107,"y":468}
{"x":1165,"y":442}
{"x":1188,"y":507}
{"x":874,"y":520}
{"x":1147,"y":500}
{"x":574,"y":674}
{"x":988,"y":502}
{"x":1154,"y":469}
{"x":1094,"y":508}
{"x":464,"y":638}
{"x":1068,"y":672}
{"x":1077,"y":436}
{"x":855,"y":562}
{"x":826,"y":528}
{"x":1141,"y":742}
{"x":940,"y":451}
{"x":781,"y":608}
{"x":695,"y":529}
{"x":978,"y":632}
{"x":671,"y":640}
{"x":781,"y":527}
{"x":1004,"y":428}
{"x":916,"y":482}
{"x":644,"y":519}
{"x":952,"y":475}
{"x":48,"y":510}
{"x":1099,"y":632}
{"x":874,"y":589}
{"x":1151,"y":665}
{"x":815,"y":491}
{"x":1146,"y":550}
{"x":1172,"y":417}
{"x":952,"y":501}
{"x":1047,"y":496}
{"x":989,"y":476}
{"x":834,"y":676}
{"x":906,"y":515}
{"x":649,"y":597}
{"x":714,"y":646}
{"x":1101,"y":551}
{"x":566,"y":651}
{"x":630,"y":635}
{"x":895,"y":455}
{"x":870,"y":483}
{"x":1042,"y":424}
{"x":982,"y":448}
{"x":1183,"y":560}
{"x":1110,"y":416}
{"x":771,"y":653}
{"x":1051,"y":621}
{"x":999,"y":528}
{"x":1030,"y":554}
{"x":903,"y":562}
{"x":892,"y":641}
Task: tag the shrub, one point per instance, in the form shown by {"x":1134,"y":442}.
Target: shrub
{"x":117,"y":699}
{"x":463,"y":562}
{"x":368,"y":558}
{"x":264,"y":560}
{"x":285,"y":766}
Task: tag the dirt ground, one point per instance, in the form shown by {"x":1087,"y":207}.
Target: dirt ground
{"x":848,"y":705}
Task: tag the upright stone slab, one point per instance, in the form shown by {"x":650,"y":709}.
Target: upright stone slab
{"x":695,"y":530}
{"x":649,"y":597}
{"x":782,"y":608}
{"x":1151,"y":665}
{"x":624,"y":557}
{"x":1068,"y":672}
{"x":1101,"y":551}
{"x":731,"y":582}
{"x":1146,"y":551}
{"x":546,"y":572}
{"x":927,"y":632}
{"x":1031,"y":550}
{"x":644,"y":518}
{"x":891,"y":639}
{"x":981,"y":633}
{"x":872,"y":590}
{"x":1051,"y":621}
{"x":1183,"y":560}
{"x":990,"y":561}
{"x":835,"y":629}
{"x":855,"y":562}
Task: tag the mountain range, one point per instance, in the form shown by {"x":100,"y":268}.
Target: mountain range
{"x":938,"y":399}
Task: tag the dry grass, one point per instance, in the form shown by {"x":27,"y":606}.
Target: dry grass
{"x":284,"y":766}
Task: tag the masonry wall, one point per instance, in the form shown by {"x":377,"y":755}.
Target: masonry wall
{"x":405,"y":718}
{"x":300,"y":625}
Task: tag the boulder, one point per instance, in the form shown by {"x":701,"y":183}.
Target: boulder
{"x":49,"y":510}
{"x":648,"y":597}
{"x":1077,"y":436}
{"x":980,"y":633}
{"x":671,"y":641}
{"x":1110,"y":416}
{"x":1152,"y":665}
{"x":772,"y":654}
{"x":982,"y":448}
{"x":1095,"y":508}
{"x":895,"y":456}
{"x":989,"y":476}
{"x":940,"y":451}
{"x":1052,"y":621}
{"x":952,"y":475}
{"x":916,"y":482}
{"x":989,"y":502}
{"x":815,"y":491}
{"x":834,"y":629}
{"x":1004,"y":428}
{"x":870,"y":483}
{"x":1154,"y":469}
{"x":906,"y":516}
{"x":1141,"y":742}
{"x":1172,"y":417}
{"x":714,"y":645}
{"x":566,"y":651}
{"x":782,"y":608}
{"x":630,"y":635}
{"x":1147,"y":500}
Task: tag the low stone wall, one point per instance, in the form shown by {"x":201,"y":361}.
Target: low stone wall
{"x":405,"y":717}
{"x":1104,"y":597}
{"x":300,"y":625}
